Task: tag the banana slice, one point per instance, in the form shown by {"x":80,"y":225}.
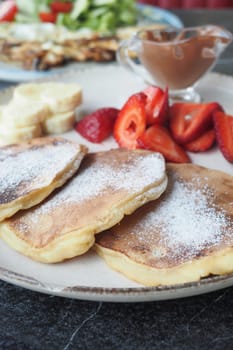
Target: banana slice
{"x":15,"y":135}
{"x":60,"y":97}
{"x":17,"y":115}
{"x":39,"y":108}
{"x":59,"y":123}
{"x":28,"y":92}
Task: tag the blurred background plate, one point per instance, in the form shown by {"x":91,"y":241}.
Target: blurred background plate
{"x":155,"y":14}
{"x":146,"y":15}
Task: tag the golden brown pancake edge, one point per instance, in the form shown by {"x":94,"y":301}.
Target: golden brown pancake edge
{"x":166,"y":253}
{"x":107,"y":186}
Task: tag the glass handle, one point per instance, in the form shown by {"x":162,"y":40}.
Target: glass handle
{"x":126,"y":51}
{"x":127,"y":56}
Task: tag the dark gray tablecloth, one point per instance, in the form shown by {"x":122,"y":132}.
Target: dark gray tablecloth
{"x":30,"y":320}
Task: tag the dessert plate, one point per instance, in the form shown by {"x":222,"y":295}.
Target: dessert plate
{"x":146,"y":14}
{"x":87,"y":277}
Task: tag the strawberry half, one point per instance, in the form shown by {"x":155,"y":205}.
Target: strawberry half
{"x":188,"y":121}
{"x":157,"y":105}
{"x":157,"y":138}
{"x":202,"y":143}
{"x":131,"y":121}
{"x":223,"y":125}
{"x":97,"y":126}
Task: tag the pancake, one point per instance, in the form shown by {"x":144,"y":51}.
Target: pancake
{"x":185,"y":235}
{"x":107,"y":186}
{"x":30,"y":171}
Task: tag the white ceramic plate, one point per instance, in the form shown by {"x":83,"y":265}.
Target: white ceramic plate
{"x":147,"y":14}
{"x":88,"y":277}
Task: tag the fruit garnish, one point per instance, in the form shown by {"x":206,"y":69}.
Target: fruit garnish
{"x":157,"y":105}
{"x":202,"y":143}
{"x":48,"y":17}
{"x":188,"y":121}
{"x":8,"y":10}
{"x":131,"y":121}
{"x":97,"y":126}
{"x":61,"y":7}
{"x":223,"y":124}
{"x":157,"y":138}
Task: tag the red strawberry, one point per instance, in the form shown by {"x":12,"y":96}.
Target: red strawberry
{"x":157,"y":105}
{"x":157,"y":138}
{"x":98,"y":125}
{"x":188,"y":120}
{"x":131,"y":121}
{"x":223,"y":125}
{"x":202,"y":143}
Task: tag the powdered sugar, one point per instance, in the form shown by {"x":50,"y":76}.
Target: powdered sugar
{"x":36,"y":167}
{"x":187,"y":221}
{"x":101,"y":177}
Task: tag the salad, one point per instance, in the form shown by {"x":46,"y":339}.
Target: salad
{"x":97,"y":15}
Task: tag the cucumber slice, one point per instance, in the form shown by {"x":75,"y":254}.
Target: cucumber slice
{"x":24,"y":18}
{"x":80,"y":6}
{"x":97,"y":12}
{"x":27,"y":7}
{"x":103,"y":2}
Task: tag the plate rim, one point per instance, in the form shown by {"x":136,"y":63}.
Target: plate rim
{"x":117,"y":294}
{"x":72,"y":70}
{"x":174,"y":18}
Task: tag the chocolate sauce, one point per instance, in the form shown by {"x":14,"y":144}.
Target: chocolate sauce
{"x":178,"y":59}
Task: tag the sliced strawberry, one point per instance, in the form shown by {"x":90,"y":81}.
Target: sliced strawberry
{"x":98,"y":125}
{"x":157,"y":138}
{"x":131,"y":121}
{"x":223,"y":125}
{"x":188,"y":120}
{"x":202,"y":143}
{"x":157,"y":105}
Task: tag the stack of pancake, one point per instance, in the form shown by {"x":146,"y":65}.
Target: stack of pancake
{"x":156,"y":223}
